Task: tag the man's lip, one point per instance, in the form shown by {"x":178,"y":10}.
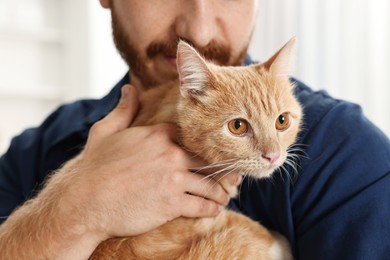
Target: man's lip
{"x":172,"y":61}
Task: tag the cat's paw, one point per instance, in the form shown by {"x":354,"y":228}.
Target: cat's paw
{"x":229,"y":188}
{"x":280,"y":249}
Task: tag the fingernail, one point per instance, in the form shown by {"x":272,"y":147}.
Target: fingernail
{"x":221,"y":207}
{"x":125,"y":91}
{"x":227,"y":200}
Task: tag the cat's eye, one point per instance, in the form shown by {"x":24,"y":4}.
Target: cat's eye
{"x":283,"y":121}
{"x":238,"y":126}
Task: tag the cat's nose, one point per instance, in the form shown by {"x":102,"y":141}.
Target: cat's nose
{"x":271,"y":156}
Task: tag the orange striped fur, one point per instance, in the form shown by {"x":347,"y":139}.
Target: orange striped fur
{"x":201,"y":103}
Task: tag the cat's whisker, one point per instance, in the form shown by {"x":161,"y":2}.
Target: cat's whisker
{"x":225,"y":172}
{"x":223,"y":176}
{"x":279,"y":170}
{"x":272,"y":176}
{"x":228,"y":168}
{"x":213,"y":165}
{"x":295,"y":172}
{"x":292,"y":163}
{"x":299,"y":145}
{"x":295,"y":153}
{"x":298,"y":150}
{"x":287,"y":173}
{"x":251,"y":179}
{"x":222,"y":162}
{"x":219,"y":166}
{"x":244,"y":175}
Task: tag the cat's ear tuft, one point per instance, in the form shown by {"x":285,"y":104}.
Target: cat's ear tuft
{"x":279,"y":63}
{"x":193,"y":71}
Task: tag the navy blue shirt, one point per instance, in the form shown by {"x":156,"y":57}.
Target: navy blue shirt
{"x":336,"y":207}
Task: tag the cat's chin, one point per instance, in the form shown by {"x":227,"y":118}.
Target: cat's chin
{"x":262,"y":173}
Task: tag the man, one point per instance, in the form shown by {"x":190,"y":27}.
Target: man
{"x":131,"y":180}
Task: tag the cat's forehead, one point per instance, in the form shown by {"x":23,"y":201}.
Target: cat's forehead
{"x":249,"y":82}
{"x":234,"y":71}
{"x":254,"y":93}
{"x":244,"y":74}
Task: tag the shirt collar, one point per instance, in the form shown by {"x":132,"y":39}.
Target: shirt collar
{"x":103,"y":106}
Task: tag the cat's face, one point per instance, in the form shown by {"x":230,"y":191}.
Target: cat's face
{"x":241,"y":118}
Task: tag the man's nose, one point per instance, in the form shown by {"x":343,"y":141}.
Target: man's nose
{"x":197,"y":23}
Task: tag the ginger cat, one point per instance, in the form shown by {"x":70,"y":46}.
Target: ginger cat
{"x":237,"y":119}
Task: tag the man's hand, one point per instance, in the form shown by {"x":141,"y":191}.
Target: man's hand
{"x":137,"y":178}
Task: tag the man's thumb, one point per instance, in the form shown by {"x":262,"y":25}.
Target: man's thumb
{"x":128,"y":94}
{"x":122,"y":115}
{"x":127,"y":107}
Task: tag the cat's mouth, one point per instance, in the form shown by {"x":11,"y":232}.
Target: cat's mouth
{"x":258,"y":168}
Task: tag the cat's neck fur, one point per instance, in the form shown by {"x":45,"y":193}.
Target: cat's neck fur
{"x":158,"y":105}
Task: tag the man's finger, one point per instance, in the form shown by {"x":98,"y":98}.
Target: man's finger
{"x":206,"y":187}
{"x":234,"y":178}
{"x":196,"y":207}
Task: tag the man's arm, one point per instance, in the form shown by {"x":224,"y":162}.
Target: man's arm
{"x":127,"y":181}
{"x":48,"y":226}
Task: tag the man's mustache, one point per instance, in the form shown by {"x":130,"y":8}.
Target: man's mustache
{"x":214,"y":51}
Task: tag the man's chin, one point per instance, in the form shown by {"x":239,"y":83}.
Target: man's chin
{"x":152,"y":79}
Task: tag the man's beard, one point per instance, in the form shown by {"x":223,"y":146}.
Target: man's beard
{"x":215,"y":52}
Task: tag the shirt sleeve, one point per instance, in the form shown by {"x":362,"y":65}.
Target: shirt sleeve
{"x":18,"y":171}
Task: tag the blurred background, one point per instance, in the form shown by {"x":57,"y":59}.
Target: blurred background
{"x":55,"y":51}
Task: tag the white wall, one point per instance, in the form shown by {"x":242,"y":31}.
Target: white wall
{"x":30,"y":63}
{"x":106,"y":66}
{"x":54,"y":51}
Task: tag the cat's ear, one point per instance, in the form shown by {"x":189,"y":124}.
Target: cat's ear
{"x":279,"y":63}
{"x":193,"y":71}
